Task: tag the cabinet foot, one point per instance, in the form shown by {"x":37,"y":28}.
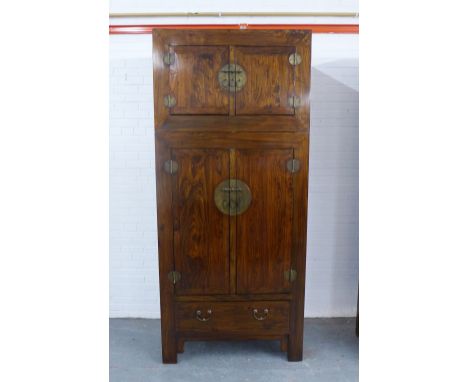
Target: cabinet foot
{"x":294,"y":350}
{"x":294,"y":358}
{"x":170,"y":359}
{"x":180,"y":345}
{"x":169,"y":353}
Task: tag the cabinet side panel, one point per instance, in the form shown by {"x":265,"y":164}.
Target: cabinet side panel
{"x":302,"y":81}
{"x":160,"y":80}
{"x":295,"y":340}
{"x":165,"y":248}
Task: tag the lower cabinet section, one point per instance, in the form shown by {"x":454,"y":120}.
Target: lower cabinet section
{"x":253,"y":318}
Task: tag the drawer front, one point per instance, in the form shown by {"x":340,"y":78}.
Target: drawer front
{"x":267,"y":317}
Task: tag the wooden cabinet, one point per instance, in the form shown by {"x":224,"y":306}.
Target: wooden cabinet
{"x":232,"y":132}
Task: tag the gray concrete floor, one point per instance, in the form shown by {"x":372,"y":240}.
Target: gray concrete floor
{"x":330,"y":354}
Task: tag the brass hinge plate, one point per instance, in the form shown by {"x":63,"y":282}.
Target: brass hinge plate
{"x":293,"y":165}
{"x":171,"y":166}
{"x":169,"y":58}
{"x":290,"y":275}
{"x":173,"y":276}
{"x":295,"y":59}
{"x":169,"y":101}
{"x":294,"y":101}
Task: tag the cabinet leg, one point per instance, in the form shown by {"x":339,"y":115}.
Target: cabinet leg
{"x":180,"y":345}
{"x":294,"y":349}
{"x":169,"y":357}
{"x":169,"y":352}
{"x":284,"y":344}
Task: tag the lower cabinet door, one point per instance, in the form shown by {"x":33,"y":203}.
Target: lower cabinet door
{"x":264,"y":236}
{"x":266,"y":317}
{"x":201,"y":232}
{"x":232,"y":220}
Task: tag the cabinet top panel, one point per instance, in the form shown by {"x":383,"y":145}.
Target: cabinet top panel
{"x":235,"y":37}
{"x":248,"y":78}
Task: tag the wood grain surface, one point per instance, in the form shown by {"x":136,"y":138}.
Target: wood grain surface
{"x":270,"y":80}
{"x":264,"y":231}
{"x":201,"y":231}
{"x":231,"y":265}
{"x":233,"y":317}
{"x":193,"y":80}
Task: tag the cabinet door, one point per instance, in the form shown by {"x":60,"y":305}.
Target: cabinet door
{"x":264,"y":231}
{"x":193,"y":80}
{"x":201,"y":231}
{"x":269,"y":80}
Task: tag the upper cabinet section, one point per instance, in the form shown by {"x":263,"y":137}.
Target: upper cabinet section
{"x":231,"y":79}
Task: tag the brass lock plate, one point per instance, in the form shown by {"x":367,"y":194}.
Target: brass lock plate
{"x":232,"y":77}
{"x":232,"y":197}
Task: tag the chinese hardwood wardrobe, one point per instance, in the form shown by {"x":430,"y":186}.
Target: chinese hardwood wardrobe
{"x":231,"y":110}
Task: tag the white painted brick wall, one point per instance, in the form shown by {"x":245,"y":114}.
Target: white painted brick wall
{"x":332,"y":258}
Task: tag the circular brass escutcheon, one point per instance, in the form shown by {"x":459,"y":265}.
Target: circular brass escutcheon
{"x":232,"y":77}
{"x":232,"y":197}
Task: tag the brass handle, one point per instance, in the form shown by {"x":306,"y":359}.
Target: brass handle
{"x":258,"y":317}
{"x":206,"y":318}
{"x":232,"y":189}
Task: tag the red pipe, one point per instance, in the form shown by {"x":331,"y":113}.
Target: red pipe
{"x":315,"y":28}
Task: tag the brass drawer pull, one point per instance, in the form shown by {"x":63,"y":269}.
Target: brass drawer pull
{"x":206,"y":318}
{"x":258,"y":317}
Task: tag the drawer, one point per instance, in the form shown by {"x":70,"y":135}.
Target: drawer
{"x":236,"y":317}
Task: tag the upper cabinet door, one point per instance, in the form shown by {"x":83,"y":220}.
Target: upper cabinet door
{"x":269,"y":81}
{"x":193,"y":79}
